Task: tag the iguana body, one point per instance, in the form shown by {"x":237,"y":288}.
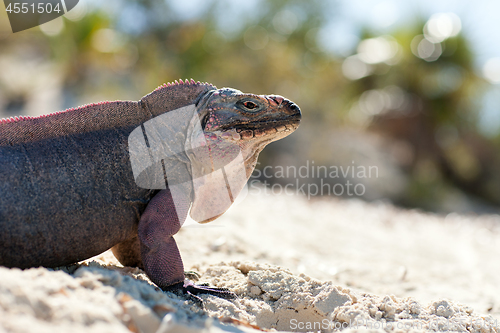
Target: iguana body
{"x":67,"y":188}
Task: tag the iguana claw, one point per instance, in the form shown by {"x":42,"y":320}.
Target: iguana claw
{"x":192,"y":275}
{"x":192,"y":290}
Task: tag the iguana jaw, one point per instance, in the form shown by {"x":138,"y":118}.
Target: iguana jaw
{"x":274,"y":130}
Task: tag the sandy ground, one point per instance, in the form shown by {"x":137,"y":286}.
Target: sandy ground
{"x":296,"y":265}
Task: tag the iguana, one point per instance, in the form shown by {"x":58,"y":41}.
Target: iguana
{"x":69,"y":190}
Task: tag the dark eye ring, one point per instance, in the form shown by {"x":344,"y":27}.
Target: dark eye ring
{"x":250,"y":105}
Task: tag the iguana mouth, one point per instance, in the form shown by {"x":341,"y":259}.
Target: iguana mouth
{"x":258,"y":129}
{"x":265,"y":128}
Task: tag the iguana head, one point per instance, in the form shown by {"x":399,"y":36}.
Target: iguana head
{"x":235,"y":128}
{"x":247,"y":120}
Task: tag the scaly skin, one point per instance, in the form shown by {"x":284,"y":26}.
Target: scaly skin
{"x":67,"y":188}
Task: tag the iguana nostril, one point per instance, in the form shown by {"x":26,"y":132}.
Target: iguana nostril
{"x":292,"y":107}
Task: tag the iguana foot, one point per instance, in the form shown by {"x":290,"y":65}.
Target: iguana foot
{"x":193,"y":290}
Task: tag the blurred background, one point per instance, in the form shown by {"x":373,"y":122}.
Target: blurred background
{"x":408,"y":90}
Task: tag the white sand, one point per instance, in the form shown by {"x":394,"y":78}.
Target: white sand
{"x":341,"y":263}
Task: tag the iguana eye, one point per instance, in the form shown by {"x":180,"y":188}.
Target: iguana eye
{"x":250,"y":105}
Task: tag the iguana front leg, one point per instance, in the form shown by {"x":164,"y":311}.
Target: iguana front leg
{"x":159,"y":252}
